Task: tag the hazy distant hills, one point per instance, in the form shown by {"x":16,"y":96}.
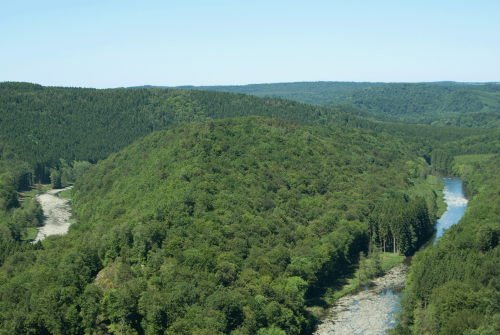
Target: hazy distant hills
{"x":314,"y":93}
{"x":444,"y":103}
{"x":456,"y":105}
{"x":44,"y":124}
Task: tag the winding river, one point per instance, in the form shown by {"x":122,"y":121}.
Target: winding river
{"x":56,"y":212}
{"x":372,"y":311}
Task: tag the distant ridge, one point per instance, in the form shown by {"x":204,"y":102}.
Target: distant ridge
{"x":445,"y":103}
{"x":291,"y":84}
{"x":320,"y":92}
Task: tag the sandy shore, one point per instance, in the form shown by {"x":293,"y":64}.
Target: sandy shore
{"x":367,"y":312}
{"x":56,"y":213}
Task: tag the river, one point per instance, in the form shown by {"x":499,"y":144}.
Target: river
{"x":372,"y":311}
{"x":56,"y":212}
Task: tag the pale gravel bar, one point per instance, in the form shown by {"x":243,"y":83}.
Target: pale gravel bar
{"x":56,"y":212}
{"x":367,"y":312}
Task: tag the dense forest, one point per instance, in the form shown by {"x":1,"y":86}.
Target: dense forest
{"x":439,"y":103}
{"x":76,"y":124}
{"x":454,"y":286}
{"x":205,"y":212}
{"x":88,"y":124}
{"x":211,"y":228}
{"x":443,"y":105}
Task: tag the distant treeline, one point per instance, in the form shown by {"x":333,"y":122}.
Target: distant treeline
{"x":44,"y":124}
{"x":313,"y":93}
{"x":443,"y":158}
{"x":440,"y":105}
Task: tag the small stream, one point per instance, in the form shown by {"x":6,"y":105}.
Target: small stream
{"x":56,"y":212}
{"x":372,"y":311}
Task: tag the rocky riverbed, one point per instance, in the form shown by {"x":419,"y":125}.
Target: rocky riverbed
{"x":366,"y":312}
{"x":56,"y":212}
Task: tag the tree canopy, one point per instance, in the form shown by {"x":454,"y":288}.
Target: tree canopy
{"x":214,"y":227}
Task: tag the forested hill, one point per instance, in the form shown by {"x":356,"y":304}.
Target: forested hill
{"x":436,"y":103}
{"x":214,"y":228}
{"x":455,"y":105}
{"x":44,"y":124}
{"x":322,"y":92}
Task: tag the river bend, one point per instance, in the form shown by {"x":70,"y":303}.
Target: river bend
{"x":372,"y":311}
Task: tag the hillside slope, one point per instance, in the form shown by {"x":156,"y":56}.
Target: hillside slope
{"x":45,"y":124}
{"x":215,"y":228}
{"x":451,"y":105}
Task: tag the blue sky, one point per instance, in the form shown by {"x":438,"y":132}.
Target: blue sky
{"x":112,"y":43}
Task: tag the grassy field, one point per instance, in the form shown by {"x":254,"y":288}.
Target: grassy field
{"x":437,"y":186}
{"x":34,"y":190}
{"x":421,"y":189}
{"x":31,"y":234}
{"x":388,"y":261}
{"x":66,"y":194}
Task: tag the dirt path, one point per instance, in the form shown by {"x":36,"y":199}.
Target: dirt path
{"x":56,"y":212}
{"x":367,"y":312}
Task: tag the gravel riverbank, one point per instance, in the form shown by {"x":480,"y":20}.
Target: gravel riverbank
{"x":366,"y":312}
{"x":56,"y":212}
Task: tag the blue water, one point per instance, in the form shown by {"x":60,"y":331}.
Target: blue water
{"x":457,"y":203}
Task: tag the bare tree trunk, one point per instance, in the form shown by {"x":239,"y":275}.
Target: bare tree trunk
{"x":394,"y":244}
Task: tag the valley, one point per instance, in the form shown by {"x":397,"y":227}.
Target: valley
{"x":205,"y":212}
{"x":373,"y":310}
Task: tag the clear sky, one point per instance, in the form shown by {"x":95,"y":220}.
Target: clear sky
{"x":110,"y":43}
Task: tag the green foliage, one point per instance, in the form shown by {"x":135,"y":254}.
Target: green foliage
{"x":215,"y":227}
{"x":223,"y":226}
{"x":442,"y":161}
{"x":16,"y":217}
{"x":89,"y":124}
{"x":464,"y":164}
{"x":453,"y":287}
{"x":313,"y":93}
{"x":439,"y":105}
{"x":8,"y":192}
{"x":55,"y":179}
{"x":402,"y":222}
